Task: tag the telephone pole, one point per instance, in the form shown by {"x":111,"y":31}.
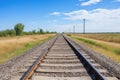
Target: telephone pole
{"x":83,"y":26}
{"x":74,"y":29}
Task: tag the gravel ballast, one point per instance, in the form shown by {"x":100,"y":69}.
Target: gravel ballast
{"x":112,"y":66}
{"x":10,"y":68}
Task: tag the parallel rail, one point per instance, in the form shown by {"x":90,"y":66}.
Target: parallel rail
{"x":95,"y":74}
{"x":32,"y":68}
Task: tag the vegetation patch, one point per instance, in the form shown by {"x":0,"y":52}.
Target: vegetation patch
{"x":20,"y":45}
{"x":108,"y":49}
{"x":115,"y":37}
{"x":19,"y":31}
{"x":68,"y":34}
{"x":115,"y":50}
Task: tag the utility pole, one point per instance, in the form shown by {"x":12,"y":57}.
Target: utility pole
{"x":74,"y":29}
{"x":83,"y":26}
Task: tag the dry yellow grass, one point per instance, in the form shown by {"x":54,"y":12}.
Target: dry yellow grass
{"x":104,"y":37}
{"x":9,"y":45}
{"x":117,"y":45}
{"x":107,"y":53}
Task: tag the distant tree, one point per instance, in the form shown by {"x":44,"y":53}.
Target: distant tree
{"x":47,"y":32}
{"x":7,"y":32}
{"x":10,"y":32}
{"x":41,"y":31}
{"x":19,"y":28}
{"x":33,"y":31}
{"x":53,"y":32}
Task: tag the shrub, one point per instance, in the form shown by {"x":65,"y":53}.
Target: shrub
{"x":19,"y":28}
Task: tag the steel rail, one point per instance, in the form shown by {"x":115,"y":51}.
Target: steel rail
{"x":96,"y":75}
{"x":35,"y":64}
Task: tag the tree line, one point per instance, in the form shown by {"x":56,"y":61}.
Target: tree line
{"x":19,"y":30}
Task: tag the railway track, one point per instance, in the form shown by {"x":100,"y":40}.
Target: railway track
{"x":62,"y":60}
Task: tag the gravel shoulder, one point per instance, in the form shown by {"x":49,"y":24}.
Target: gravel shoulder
{"x":110,"y":65}
{"x":10,"y":68}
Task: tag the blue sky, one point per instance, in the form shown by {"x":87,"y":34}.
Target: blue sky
{"x":61,"y":15}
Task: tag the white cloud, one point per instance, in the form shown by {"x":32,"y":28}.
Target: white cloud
{"x":76,"y":15}
{"x":98,"y":20}
{"x":117,"y":0}
{"x":79,"y":12}
{"x":55,"y":13}
{"x":93,"y":14}
{"x":90,"y":2}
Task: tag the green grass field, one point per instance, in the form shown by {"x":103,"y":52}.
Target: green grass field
{"x":106,"y":48}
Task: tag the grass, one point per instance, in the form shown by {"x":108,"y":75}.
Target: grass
{"x":104,"y":37}
{"x":111,"y":51}
{"x":11,"y":47}
{"x":103,"y":46}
